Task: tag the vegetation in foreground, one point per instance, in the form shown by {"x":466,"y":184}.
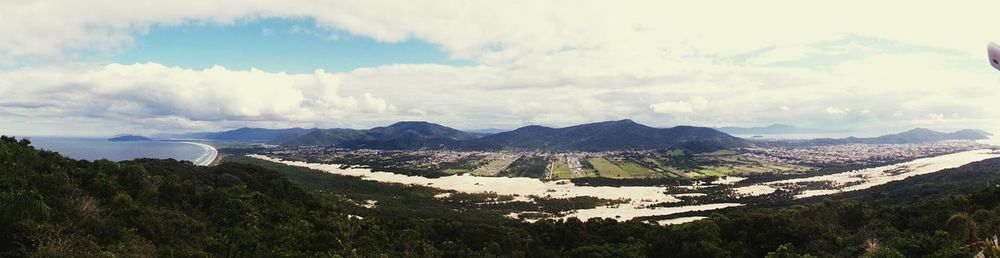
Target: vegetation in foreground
{"x":57,"y":207}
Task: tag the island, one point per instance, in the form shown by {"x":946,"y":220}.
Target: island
{"x":129,"y":138}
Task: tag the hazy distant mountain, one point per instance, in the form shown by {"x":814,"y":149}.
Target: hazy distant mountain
{"x":327,"y":137}
{"x":246,"y":134}
{"x":487,"y":131}
{"x":401,"y":135}
{"x":771,"y":129}
{"x":921,"y":135}
{"x":129,"y":138}
{"x":606,"y":136}
{"x":916,"y":135}
{"x":411,"y":135}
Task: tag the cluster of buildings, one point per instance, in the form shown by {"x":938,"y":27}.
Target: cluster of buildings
{"x":490,"y":162}
{"x":857,"y":153}
{"x":493,"y":162}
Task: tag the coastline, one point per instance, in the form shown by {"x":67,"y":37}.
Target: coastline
{"x":208,"y":157}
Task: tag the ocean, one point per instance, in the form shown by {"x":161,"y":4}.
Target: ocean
{"x":100,"y":148}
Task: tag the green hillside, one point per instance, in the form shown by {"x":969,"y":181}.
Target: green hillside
{"x":52,"y":206}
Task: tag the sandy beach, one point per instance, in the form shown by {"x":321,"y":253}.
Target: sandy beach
{"x":210,"y":154}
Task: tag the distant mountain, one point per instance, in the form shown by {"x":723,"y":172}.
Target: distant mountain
{"x":401,"y":135}
{"x":129,"y":138}
{"x":921,"y":135}
{"x":487,"y":131}
{"x":327,"y":137}
{"x":771,"y":129}
{"x":247,"y":134}
{"x":411,"y":135}
{"x":916,"y":135}
{"x":606,"y":136}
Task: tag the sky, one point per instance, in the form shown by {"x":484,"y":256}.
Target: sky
{"x":104,"y":67}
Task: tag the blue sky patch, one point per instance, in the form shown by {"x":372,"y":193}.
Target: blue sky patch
{"x":274,"y":45}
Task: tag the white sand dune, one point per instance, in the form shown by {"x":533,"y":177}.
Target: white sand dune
{"x":638,"y":197}
{"x":680,"y":220}
{"x":627,"y":213}
{"x":523,"y":186}
{"x":866,"y":178}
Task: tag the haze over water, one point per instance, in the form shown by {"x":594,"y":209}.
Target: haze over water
{"x":98,"y":148}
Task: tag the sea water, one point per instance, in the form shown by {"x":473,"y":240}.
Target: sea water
{"x":99,"y":148}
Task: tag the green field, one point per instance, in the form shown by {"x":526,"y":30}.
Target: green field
{"x":526,"y":166}
{"x":637,"y":171}
{"x":719,"y":153}
{"x":753,"y":169}
{"x":560,"y":170}
{"x":454,"y":170}
{"x":607,"y":169}
{"x":492,"y":167}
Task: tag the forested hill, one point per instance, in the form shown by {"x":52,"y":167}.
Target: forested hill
{"x":600,"y":136}
{"x":398,"y":136}
{"x":607,"y":136}
{"x":52,"y":206}
{"x":948,"y":182}
{"x":413,"y":135}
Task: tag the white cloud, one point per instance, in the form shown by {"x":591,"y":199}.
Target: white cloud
{"x":469,"y":97}
{"x":376,"y":105}
{"x":550,"y":62}
{"x":672,"y":107}
{"x":679,"y":107}
{"x":502,"y":30}
{"x":266,"y":31}
{"x":836,"y":111}
{"x":183,"y":97}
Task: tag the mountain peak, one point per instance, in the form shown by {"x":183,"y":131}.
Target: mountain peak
{"x":921,"y":130}
{"x":623,"y":122}
{"x":418,"y":126}
{"x":780,"y":126}
{"x":407,"y":123}
{"x":620,"y":122}
{"x":607,"y":136}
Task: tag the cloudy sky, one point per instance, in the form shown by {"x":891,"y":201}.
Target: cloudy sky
{"x":104,"y":67}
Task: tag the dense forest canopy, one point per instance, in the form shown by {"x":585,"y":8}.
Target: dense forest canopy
{"x":51,"y":206}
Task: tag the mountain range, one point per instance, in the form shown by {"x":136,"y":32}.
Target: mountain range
{"x":600,"y":136}
{"x":916,"y":135}
{"x":606,"y":136}
{"x":398,"y":136}
{"x":771,"y":129}
{"x":128,"y":138}
{"x":244,"y":134}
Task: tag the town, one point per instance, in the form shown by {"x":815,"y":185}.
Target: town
{"x":675,"y":163}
